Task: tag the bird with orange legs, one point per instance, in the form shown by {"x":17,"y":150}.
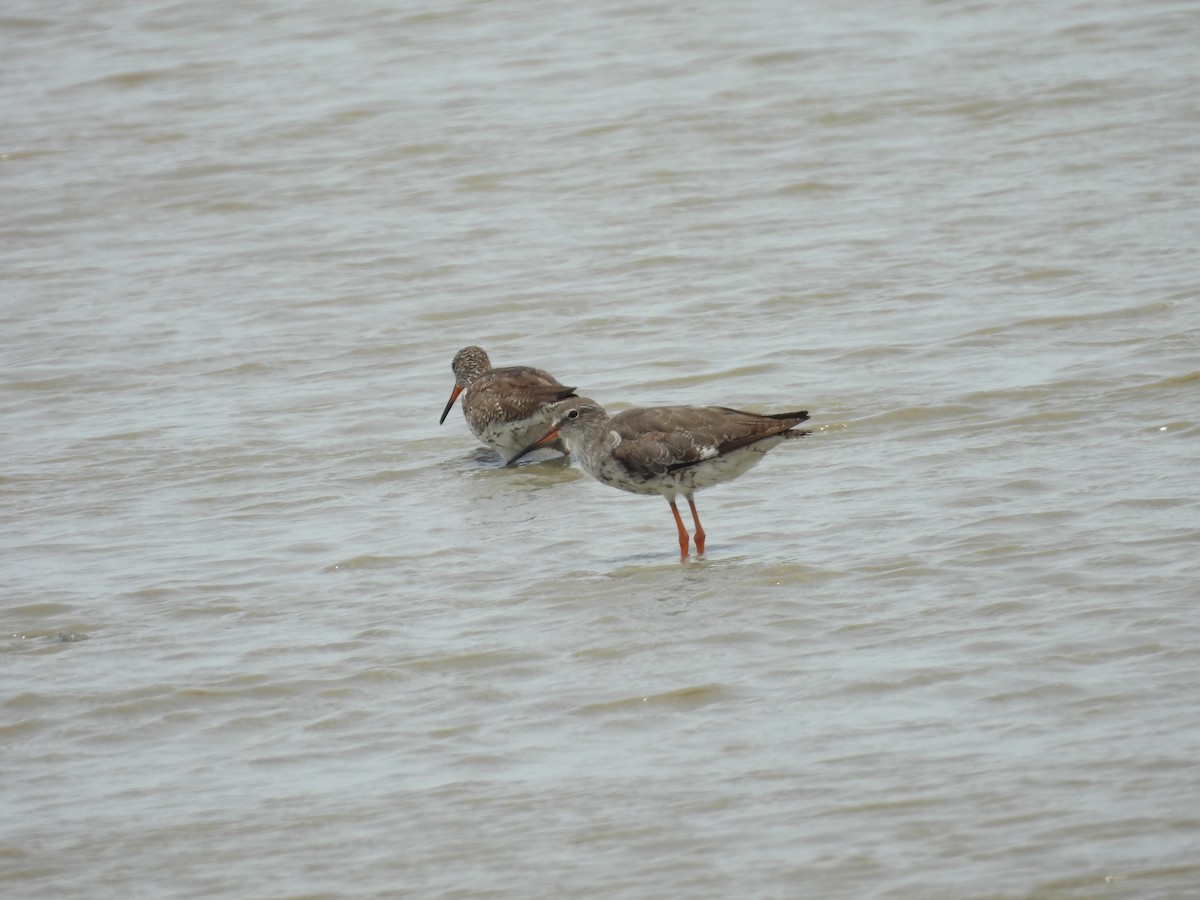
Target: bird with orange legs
{"x":667,"y":450}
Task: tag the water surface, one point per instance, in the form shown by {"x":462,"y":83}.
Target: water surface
{"x":270,"y":631}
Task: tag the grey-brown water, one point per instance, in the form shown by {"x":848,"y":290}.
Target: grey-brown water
{"x":269,"y":631}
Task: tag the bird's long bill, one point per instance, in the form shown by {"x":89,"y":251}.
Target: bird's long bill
{"x":545,"y":439}
{"x":453,"y":396}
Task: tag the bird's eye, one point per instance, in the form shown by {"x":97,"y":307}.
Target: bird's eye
{"x":573,"y":414}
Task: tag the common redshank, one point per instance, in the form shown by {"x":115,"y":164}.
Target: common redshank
{"x":668,"y":450}
{"x":505,"y":408}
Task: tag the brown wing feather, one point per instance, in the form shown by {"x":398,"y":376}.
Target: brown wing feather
{"x":523,"y":378}
{"x":661,"y":439}
{"x":751,"y":427}
{"x":519,"y":390}
{"x":653,"y":441}
{"x":657,"y":452}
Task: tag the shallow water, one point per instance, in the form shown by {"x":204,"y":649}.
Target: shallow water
{"x":270,"y":631}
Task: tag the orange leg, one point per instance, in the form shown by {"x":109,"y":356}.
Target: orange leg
{"x":699,"y":528}
{"x":683,"y":535}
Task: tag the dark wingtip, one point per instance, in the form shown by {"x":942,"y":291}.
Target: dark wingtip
{"x":799,"y":415}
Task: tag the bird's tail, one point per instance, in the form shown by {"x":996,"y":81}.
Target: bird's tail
{"x":795,"y":418}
